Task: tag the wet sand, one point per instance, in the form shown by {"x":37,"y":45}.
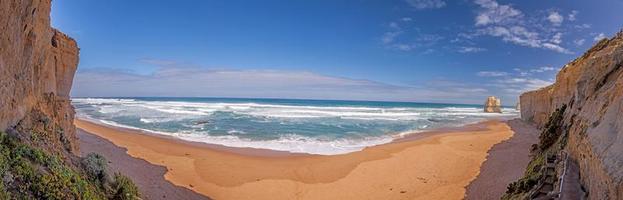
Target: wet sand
{"x":436,"y":165}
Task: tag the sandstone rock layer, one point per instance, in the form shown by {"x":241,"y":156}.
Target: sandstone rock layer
{"x":493,"y":105}
{"x":37,"y":66}
{"x":592,"y":88}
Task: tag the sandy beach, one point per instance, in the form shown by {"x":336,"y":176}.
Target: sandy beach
{"x":505,"y":163}
{"x":436,"y":165}
{"x":148,"y":177}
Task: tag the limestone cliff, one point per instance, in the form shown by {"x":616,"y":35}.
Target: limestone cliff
{"x":37,"y":66}
{"x":591,"y":87}
{"x":37,"y":135}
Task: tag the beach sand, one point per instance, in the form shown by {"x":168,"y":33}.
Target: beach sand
{"x":149,"y":178}
{"x":505,"y":163}
{"x":435,"y":165}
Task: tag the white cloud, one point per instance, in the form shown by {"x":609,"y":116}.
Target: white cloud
{"x":543,"y":69}
{"x":519,"y":81}
{"x":508,"y":23}
{"x":600,"y":36}
{"x":470,"y":49}
{"x":491,"y":73}
{"x":579,"y":42}
{"x":179,"y":81}
{"x":158,"y":62}
{"x":572,"y":15}
{"x":392,"y":40}
{"x":175,"y":80}
{"x":525,"y":84}
{"x":528,"y":72}
{"x":428,"y":38}
{"x":495,"y":13}
{"x":515,"y":86}
{"x":582,"y":26}
{"x":557,"y":38}
{"x":427,"y":51}
{"x":403,"y":47}
{"x":556,"y":48}
{"x":394,"y":25}
{"x":555,"y":18}
{"x":516,"y":34}
{"x":425,"y":4}
{"x":389,"y":37}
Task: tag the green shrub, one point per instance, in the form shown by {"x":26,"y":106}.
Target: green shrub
{"x":36,"y":174}
{"x":95,"y":166}
{"x":3,"y":193}
{"x":530,"y":178}
{"x":40,"y":175}
{"x":552,"y":129}
{"x":4,"y":160}
{"x":125,"y":188}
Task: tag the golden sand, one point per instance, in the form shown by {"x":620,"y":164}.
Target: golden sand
{"x":438,"y":166}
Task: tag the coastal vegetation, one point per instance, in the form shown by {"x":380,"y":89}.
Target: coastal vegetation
{"x":550,"y":143}
{"x":32,"y":173}
{"x":124,"y":188}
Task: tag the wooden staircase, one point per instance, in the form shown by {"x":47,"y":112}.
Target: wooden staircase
{"x":546,"y":185}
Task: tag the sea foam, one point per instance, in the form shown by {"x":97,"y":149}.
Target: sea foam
{"x":301,"y":126}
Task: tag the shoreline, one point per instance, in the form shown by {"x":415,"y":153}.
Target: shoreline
{"x":423,"y":167}
{"x":254,"y":151}
{"x":248,"y":151}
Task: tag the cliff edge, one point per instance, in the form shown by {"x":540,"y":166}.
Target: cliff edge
{"x":37,"y":66}
{"x":37,"y":136}
{"x":591,"y":89}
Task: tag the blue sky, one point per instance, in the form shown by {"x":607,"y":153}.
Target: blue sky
{"x":402,"y":50}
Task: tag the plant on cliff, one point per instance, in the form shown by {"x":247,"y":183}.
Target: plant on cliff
{"x":552,"y":130}
{"x":550,"y":135}
{"x":519,"y":188}
{"x":31,"y":173}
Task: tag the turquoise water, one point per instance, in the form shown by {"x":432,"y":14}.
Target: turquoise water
{"x":306,"y":126}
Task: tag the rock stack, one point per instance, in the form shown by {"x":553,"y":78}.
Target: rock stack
{"x":493,"y":105}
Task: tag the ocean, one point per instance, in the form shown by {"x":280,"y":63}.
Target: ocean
{"x":324,"y":127}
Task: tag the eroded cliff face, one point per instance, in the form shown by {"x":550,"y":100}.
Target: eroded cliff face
{"x":37,"y":66}
{"x":592,"y":88}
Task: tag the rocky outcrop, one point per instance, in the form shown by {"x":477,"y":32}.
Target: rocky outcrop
{"x":493,"y":105}
{"x":37,"y":66}
{"x":591,"y":87}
